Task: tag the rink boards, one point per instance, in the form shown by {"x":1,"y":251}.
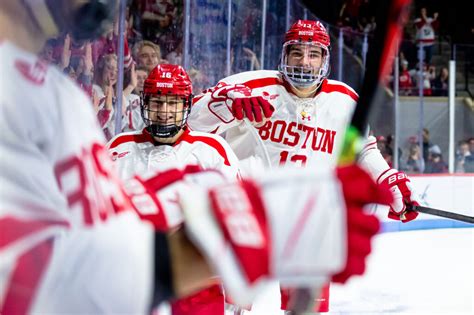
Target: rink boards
{"x":454,"y":193}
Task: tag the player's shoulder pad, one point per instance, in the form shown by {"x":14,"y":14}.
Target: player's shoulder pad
{"x":211,"y":140}
{"x":128,"y":137}
{"x":334,"y":86}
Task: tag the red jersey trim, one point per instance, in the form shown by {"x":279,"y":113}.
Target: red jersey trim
{"x":137,"y":138}
{"x":383,"y":173}
{"x":22,"y":286}
{"x":258,"y":83}
{"x":328,"y":88}
{"x":187,"y":137}
{"x":30,"y":265}
{"x":16,"y":229}
{"x":370,"y":144}
{"x":197,"y":98}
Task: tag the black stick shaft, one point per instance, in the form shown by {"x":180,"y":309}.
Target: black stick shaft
{"x":442,"y":213}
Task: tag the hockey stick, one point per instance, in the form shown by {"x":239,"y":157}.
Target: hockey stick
{"x":390,"y":19}
{"x":442,"y":213}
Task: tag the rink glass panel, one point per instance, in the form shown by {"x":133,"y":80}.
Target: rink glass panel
{"x":219,"y":44}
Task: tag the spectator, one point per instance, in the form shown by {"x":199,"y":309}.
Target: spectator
{"x":426,"y":143}
{"x":147,"y":54}
{"x":132,"y":119}
{"x":440,"y":83}
{"x":469,"y":161}
{"x":427,"y":74}
{"x":414,"y":163}
{"x":244,"y":59}
{"x":471,"y":145}
{"x":405,"y":81}
{"x":175,"y":57}
{"x":108,"y":44}
{"x":78,"y":66}
{"x":425,"y":32}
{"x":105,"y":78}
{"x":385,"y":150}
{"x":142,"y":74}
{"x":461,"y":155}
{"x":156,"y":17}
{"x":435,"y":164}
{"x":349,"y":12}
{"x":47,"y":53}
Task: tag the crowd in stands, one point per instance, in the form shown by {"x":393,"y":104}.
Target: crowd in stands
{"x":154,"y":35}
{"x":153,"y":29}
{"x":429,"y":159}
{"x":357,"y":19}
{"x":417,"y":44}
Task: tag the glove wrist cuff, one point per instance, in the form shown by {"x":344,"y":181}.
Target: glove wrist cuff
{"x":385,"y":174}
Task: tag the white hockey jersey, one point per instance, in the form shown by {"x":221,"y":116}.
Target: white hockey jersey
{"x":65,"y":231}
{"x":138,"y":153}
{"x":301,"y":132}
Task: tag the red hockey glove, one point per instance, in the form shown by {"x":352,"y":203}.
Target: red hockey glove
{"x":239,"y":101}
{"x":403,"y":195}
{"x":359,"y":189}
{"x":155,"y":195}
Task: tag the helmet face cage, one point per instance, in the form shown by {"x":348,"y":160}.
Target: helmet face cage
{"x":165,"y":115}
{"x":303,"y":76}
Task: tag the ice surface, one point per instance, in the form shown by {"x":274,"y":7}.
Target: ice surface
{"x":413,"y":272}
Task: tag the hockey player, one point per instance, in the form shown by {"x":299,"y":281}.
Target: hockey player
{"x":300,"y":116}
{"x":76,"y":239}
{"x":164,"y":142}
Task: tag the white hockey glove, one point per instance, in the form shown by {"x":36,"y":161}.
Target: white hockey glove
{"x":155,"y":196}
{"x":290,"y":226}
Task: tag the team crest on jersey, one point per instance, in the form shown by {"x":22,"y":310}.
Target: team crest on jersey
{"x":115,"y":155}
{"x":34,"y":73}
{"x":267,"y":96}
{"x":305,"y":116}
{"x":306,"y":110}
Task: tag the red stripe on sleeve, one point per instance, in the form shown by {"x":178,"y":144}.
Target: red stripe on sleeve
{"x":187,"y":137}
{"x":328,"y":88}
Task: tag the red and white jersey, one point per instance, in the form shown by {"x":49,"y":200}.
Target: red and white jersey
{"x":305,"y":132}
{"x":138,"y":153}
{"x":425,"y":30}
{"x":61,"y":204}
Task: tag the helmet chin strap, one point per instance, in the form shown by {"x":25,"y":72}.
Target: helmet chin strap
{"x":39,"y":10}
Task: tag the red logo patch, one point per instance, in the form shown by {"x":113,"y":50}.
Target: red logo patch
{"x":267,"y":96}
{"x":34,"y":73}
{"x":116,"y":155}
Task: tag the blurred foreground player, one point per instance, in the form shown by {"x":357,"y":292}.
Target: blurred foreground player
{"x":76,"y":239}
{"x":298,"y":116}
{"x":166,"y":142}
